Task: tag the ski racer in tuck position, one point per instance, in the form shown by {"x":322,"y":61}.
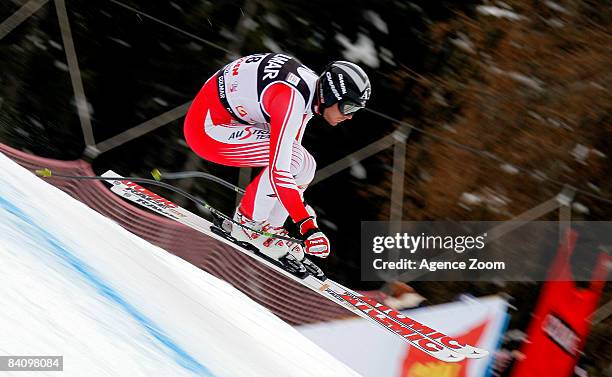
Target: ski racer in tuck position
{"x":253,"y":113}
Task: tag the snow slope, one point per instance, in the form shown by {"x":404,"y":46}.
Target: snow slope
{"x":74,"y":283}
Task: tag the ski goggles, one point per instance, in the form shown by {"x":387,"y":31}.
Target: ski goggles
{"x":348,"y":107}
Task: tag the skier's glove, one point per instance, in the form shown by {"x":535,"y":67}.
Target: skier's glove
{"x":315,"y":242}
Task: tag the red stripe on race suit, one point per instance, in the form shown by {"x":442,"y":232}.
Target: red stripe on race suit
{"x":286,"y":109}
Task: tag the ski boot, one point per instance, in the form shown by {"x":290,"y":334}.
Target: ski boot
{"x":272,"y":249}
{"x":297,"y":250}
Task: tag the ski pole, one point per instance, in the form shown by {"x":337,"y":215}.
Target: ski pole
{"x":47,"y":173}
{"x":158,"y":175}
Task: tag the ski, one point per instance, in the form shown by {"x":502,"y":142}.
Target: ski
{"x":426,"y":339}
{"x":366,"y":304}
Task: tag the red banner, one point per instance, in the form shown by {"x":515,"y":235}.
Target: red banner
{"x":561,"y":323}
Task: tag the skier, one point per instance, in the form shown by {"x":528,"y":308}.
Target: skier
{"x":253,"y":113}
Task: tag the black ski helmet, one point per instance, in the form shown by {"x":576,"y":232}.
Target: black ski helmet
{"x":346,"y":83}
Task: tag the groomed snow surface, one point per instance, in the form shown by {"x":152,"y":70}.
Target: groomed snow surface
{"x":75,"y":284}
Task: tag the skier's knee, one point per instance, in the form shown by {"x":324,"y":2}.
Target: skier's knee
{"x":307,"y":171}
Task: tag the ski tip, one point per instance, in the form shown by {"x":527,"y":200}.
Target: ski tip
{"x":157,"y":175}
{"x":45,"y":173}
{"x":477,"y":353}
{"x":448,"y":356}
{"x":471,"y":352}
